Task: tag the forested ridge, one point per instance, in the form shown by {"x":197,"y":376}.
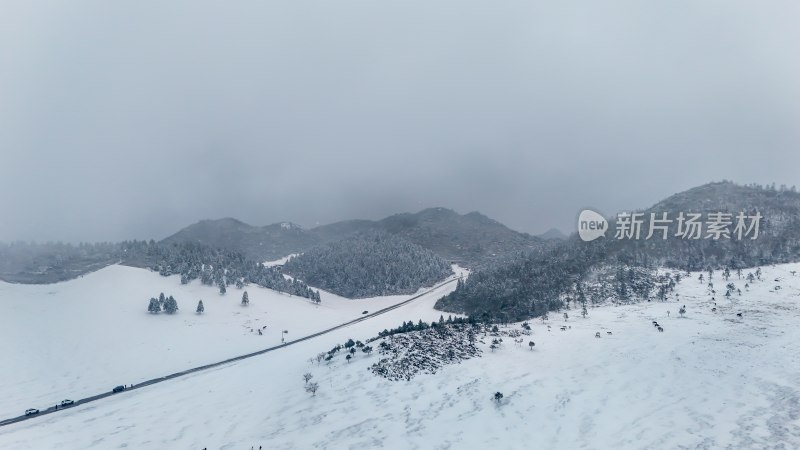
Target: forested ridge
{"x":625,"y":269}
{"x":369,"y":264}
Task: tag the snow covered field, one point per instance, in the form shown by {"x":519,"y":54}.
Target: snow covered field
{"x":710,"y":380}
{"x":85,"y":336}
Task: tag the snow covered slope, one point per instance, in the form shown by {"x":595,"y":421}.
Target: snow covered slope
{"x":710,"y":380}
{"x":85,"y":336}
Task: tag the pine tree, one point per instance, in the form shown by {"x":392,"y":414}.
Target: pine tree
{"x":200,"y":307}
{"x":245,"y":299}
{"x":170,"y":305}
{"x":154,"y":307}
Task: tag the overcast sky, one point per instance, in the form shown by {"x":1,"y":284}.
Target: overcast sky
{"x":132,"y":119}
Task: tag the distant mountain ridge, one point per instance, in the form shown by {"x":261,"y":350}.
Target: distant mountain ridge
{"x":538,"y":283}
{"x":778,"y":238}
{"x":259,"y":243}
{"x":470,"y":239}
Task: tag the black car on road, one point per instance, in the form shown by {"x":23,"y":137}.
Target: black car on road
{"x":118,"y":389}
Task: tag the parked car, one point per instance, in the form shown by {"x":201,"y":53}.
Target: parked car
{"x":67,"y":403}
{"x":31,"y":412}
{"x":118,"y":389}
{"x":365,"y":312}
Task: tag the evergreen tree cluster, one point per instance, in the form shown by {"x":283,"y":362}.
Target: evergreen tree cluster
{"x":213,"y":267}
{"x":410,"y":326}
{"x":564,"y":277}
{"x":529,"y":287}
{"x":369,"y":264}
{"x":405,"y":355}
{"x":167,"y":304}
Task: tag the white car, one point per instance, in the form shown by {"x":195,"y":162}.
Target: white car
{"x":31,"y":412}
{"x":67,"y":403}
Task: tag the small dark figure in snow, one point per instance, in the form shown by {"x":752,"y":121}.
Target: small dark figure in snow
{"x":498,"y":396}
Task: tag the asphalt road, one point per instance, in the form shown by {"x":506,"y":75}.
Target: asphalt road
{"x":143,"y":384}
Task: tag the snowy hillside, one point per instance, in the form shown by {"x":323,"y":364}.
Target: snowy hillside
{"x":82,"y":337}
{"x":709,"y":380}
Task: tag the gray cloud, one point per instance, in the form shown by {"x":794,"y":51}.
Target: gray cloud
{"x":131,"y":119}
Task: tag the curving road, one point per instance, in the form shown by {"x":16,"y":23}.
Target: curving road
{"x":93,"y":398}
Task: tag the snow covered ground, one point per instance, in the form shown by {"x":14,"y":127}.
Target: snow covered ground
{"x":280,"y":261}
{"x":85,"y":336}
{"x":710,"y":380}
